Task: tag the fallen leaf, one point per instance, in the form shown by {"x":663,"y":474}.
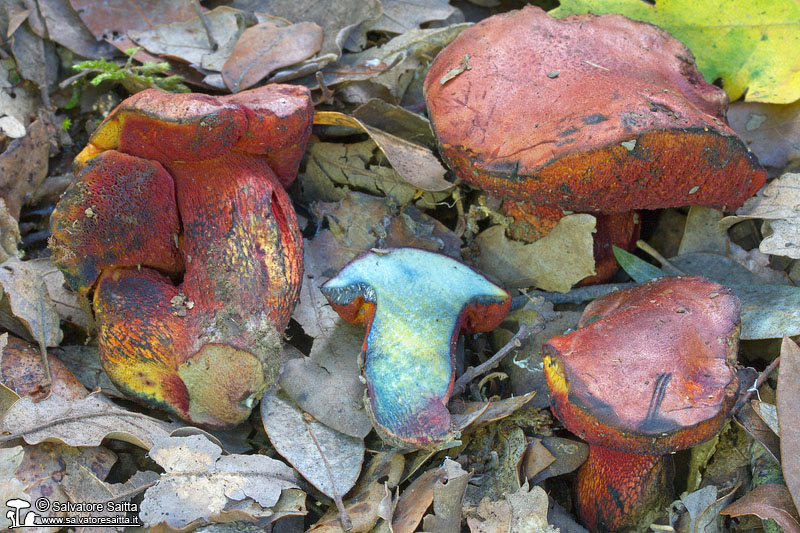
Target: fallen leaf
{"x":771,"y":131}
{"x":22,"y":371}
{"x":65,"y":28}
{"x":768,"y":413}
{"x":25,"y":295}
{"x":9,"y":234}
{"x":536,"y":459}
{"x":83,"y":422}
{"x":266,"y":47}
{"x":415,"y":500}
{"x":759,"y":430}
{"x":67,"y":303}
{"x":399,"y":16}
{"x":769,"y":500}
{"x":328,"y":459}
{"x":778,"y":204}
{"x":568,"y":456}
{"x":384,"y":470}
{"x":10,"y":486}
{"x":199,"y":484}
{"x":702,"y":232}
{"x":414,"y":162}
{"x":44,"y":465}
{"x":749,"y":44}
{"x":336,"y":17}
{"x":488,"y":412}
{"x":188,"y":40}
{"x":447,"y":497}
{"x":19,"y":104}
{"x":788,"y":397}
{"x":523,"y":510}
{"x":36,"y":58}
{"x":118,"y":16}
{"x":23,"y":166}
{"x":704,"y":507}
{"x":555,"y":262}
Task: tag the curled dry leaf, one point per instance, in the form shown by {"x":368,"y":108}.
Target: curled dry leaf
{"x":553,"y":263}
{"x":329,"y":460}
{"x":415,"y":163}
{"x":25,"y":299}
{"x":266,"y":47}
{"x":777,"y":203}
{"x":415,"y":500}
{"x":769,"y":500}
{"x":83,"y":422}
{"x":200,"y":484}
{"x":523,"y":510}
{"x":789,"y":415}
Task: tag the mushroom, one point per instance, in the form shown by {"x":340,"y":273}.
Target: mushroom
{"x":596,"y":114}
{"x":414,"y":304}
{"x":180,"y":225}
{"x":651,"y":370}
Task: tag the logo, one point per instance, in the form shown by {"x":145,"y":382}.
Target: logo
{"x":70,"y":514}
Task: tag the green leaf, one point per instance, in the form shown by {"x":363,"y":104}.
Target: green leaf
{"x":639,"y":269}
{"x":752,"y":45}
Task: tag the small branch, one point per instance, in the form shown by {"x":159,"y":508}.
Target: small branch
{"x":762,"y":377}
{"x":525,"y":331}
{"x":575,"y":296}
{"x":327,"y":94}
{"x":344,"y":518}
{"x":665,"y":264}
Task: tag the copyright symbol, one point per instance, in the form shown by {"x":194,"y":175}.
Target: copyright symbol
{"x":42,"y":504}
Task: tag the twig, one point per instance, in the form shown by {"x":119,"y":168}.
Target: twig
{"x":344,"y":518}
{"x":327,"y":94}
{"x":575,"y":296}
{"x":762,"y":377}
{"x":668,"y":267}
{"x":206,"y":25}
{"x":525,"y":330}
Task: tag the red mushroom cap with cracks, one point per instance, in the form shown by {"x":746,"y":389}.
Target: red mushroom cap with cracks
{"x":191,"y":185}
{"x":414,"y":304}
{"x":651,"y":370}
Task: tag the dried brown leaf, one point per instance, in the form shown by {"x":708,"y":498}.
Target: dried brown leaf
{"x":523,"y":510}
{"x":771,"y":131}
{"x":447,"y":498}
{"x":789,"y":415}
{"x":402,"y":15}
{"x":65,"y":28}
{"x":83,"y":422}
{"x":415,"y":501}
{"x":266,"y":47}
{"x":769,"y":500}
{"x":23,"y":166}
{"x":553,"y":263}
{"x":568,"y":456}
{"x":9,"y":234}
{"x":25,"y":295}
{"x":22,"y":370}
{"x":106,"y":18}
{"x":328,"y":459}
{"x":200,"y":484}
{"x":36,"y":58}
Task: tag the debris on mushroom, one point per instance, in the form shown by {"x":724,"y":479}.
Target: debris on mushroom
{"x":651,"y":370}
{"x":191,"y":254}
{"x":414,"y":304}
{"x":628,"y":123}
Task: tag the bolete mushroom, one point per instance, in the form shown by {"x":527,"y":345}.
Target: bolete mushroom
{"x":414,"y":304}
{"x":180,"y":224}
{"x":595,"y":114}
{"x":649,"y":371}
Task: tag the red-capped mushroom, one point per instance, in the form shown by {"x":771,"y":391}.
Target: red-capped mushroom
{"x":191,"y":185}
{"x":597,"y":114}
{"x":414,"y":304}
{"x":651,"y":370}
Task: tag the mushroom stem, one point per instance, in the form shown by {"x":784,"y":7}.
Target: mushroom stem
{"x":616,"y":490}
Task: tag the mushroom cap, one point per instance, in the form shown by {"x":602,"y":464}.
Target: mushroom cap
{"x":589,"y":113}
{"x":414,"y":304}
{"x":651,"y":369}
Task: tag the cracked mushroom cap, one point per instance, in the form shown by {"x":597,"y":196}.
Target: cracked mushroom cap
{"x":414,"y":304}
{"x":588,"y":113}
{"x":651,"y":370}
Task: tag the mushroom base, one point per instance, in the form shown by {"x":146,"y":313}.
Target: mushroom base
{"x":618,"y":491}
